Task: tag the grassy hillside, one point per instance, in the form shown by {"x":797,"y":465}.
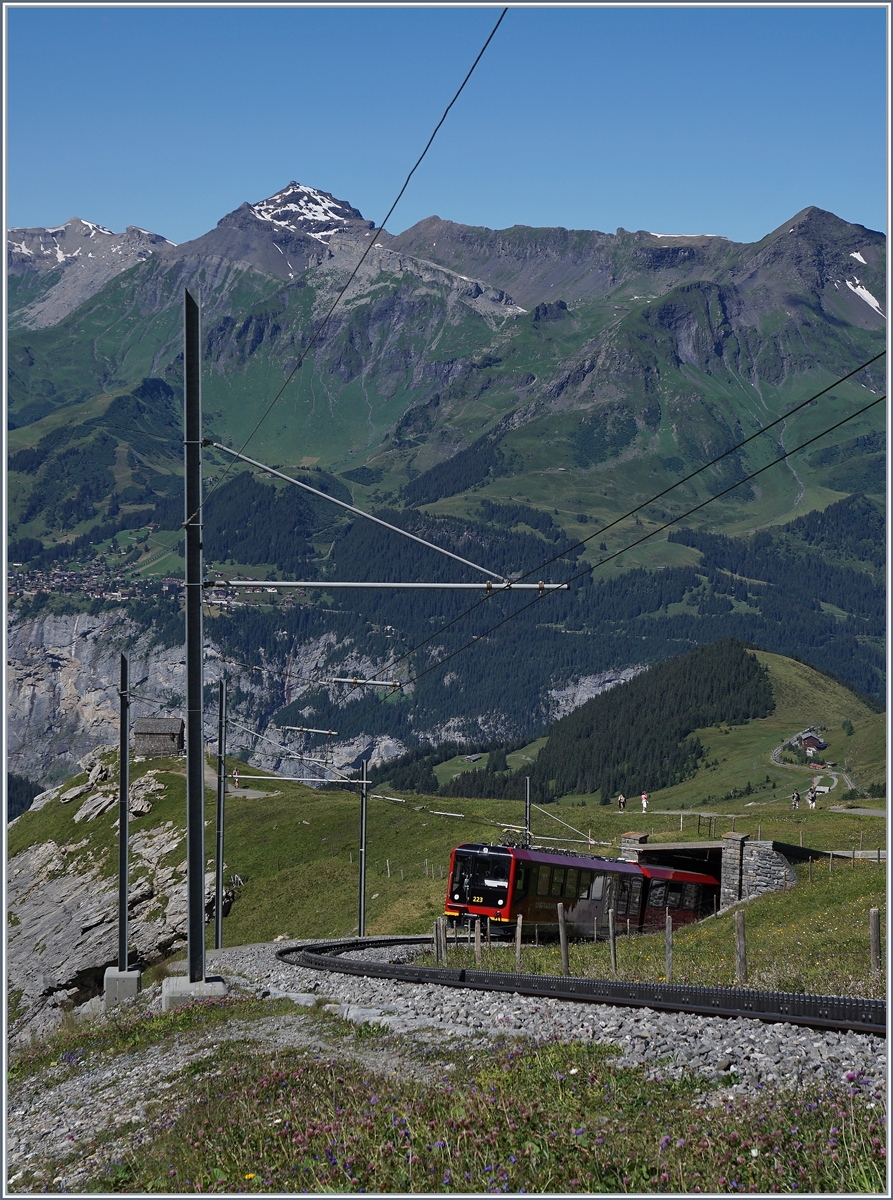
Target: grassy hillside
{"x":296,"y":849}
{"x":744,"y":752}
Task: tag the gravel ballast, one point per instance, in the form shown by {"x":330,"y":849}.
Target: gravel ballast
{"x":52,"y":1115}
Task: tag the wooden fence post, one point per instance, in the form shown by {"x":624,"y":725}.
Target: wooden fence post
{"x":669,"y":948}
{"x":740,"y":950}
{"x":562,"y":938}
{"x":437,"y":943}
{"x":443,"y":938}
{"x":612,"y":938}
{"x":477,"y":941}
{"x":874,"y":932}
{"x":518,"y":943}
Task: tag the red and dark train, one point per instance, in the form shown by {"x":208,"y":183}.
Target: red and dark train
{"x":499,"y":882}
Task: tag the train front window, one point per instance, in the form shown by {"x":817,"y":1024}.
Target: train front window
{"x":492,"y":872}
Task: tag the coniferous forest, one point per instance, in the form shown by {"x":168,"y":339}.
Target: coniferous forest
{"x":636,"y":737}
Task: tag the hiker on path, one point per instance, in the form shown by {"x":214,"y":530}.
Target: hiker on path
{"x":810,"y":797}
{"x":644,"y":802}
{"x":236,"y":778}
{"x":795,"y":799}
{"x":621,"y":802}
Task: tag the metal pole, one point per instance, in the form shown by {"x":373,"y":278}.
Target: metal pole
{"x":740,"y":950}
{"x":364,"y":789}
{"x":874,"y":937}
{"x":123,"y":811}
{"x":527,"y":810}
{"x":562,"y":938}
{"x":195,"y":764}
{"x":221,"y":793}
{"x":612,"y":940}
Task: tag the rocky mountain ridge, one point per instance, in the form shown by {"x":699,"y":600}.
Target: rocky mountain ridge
{"x":68,"y":264}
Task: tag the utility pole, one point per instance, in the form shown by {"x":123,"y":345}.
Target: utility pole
{"x":527,"y":811}
{"x":364,"y":791}
{"x":123,"y":811}
{"x":175,"y":990}
{"x":119,"y":982}
{"x":195,"y":766}
{"x":221,"y":793}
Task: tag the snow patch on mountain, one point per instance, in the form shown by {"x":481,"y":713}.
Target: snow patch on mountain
{"x":689,"y":235}
{"x":864,"y":294}
{"x":306,"y":210}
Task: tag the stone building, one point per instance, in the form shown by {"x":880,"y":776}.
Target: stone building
{"x":743,"y":866}
{"x":153,"y":736}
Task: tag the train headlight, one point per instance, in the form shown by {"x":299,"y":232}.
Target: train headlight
{"x":499,"y":902}
{"x":456,"y":896}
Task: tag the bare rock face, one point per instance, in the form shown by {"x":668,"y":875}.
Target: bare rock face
{"x":565,"y":699}
{"x":62,"y":923}
{"x":63,"y":688}
{"x":75,"y":260}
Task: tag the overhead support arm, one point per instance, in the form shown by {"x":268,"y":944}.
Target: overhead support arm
{"x":327,"y":584}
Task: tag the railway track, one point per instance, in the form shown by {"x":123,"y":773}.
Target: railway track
{"x":817,"y":1012}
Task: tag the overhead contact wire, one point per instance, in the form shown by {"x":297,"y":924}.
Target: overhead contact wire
{"x":353,"y":273}
{"x":602,"y":562}
{"x":633,"y":511}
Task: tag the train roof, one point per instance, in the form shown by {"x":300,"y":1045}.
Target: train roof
{"x":590,"y":862}
{"x":567,"y":857}
{"x":675,"y":874}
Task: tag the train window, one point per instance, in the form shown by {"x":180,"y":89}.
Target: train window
{"x":598,"y":884}
{"x":585,"y":882}
{"x":690,"y":895}
{"x":623,"y":894}
{"x":635,"y":895}
{"x":542,"y":883}
{"x":674,"y":895}
{"x":657,"y":895}
{"x":570,"y":884}
{"x":522,"y":878}
{"x":557,"y":881}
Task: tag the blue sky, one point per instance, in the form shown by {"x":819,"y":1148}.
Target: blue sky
{"x":677,"y":120}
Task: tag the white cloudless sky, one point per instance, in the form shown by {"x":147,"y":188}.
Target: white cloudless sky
{"x":721,"y":119}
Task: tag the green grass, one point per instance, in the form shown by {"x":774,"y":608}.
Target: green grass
{"x":546,"y":1118}
{"x":811,"y":938}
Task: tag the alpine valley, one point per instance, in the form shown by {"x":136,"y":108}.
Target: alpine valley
{"x":507,"y":394}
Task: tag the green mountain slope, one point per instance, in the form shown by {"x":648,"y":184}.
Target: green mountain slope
{"x":506,"y":394}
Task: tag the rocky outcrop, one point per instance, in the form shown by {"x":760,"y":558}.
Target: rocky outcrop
{"x":62,"y":919}
{"x":565,"y":699}
{"x":62,"y":691}
{"x":74,"y":261}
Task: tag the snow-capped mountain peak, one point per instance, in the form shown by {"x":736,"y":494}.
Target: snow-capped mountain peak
{"x":306,"y":210}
